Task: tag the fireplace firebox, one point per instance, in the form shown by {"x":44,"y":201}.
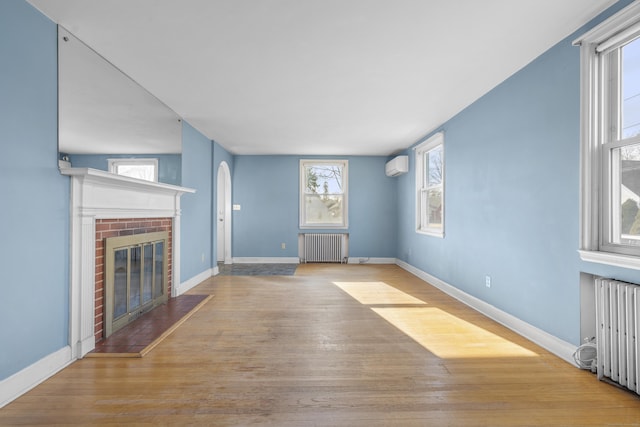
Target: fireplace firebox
{"x":136,"y":277}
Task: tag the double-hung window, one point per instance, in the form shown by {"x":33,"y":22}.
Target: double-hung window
{"x":430,"y":186}
{"x":323,"y":193}
{"x":610,"y":133}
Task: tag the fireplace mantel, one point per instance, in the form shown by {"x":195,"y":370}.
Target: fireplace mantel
{"x":95,"y":195}
{"x":105,"y":194}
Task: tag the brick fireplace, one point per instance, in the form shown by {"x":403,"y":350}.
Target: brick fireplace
{"x":107,"y":205}
{"x":118,"y":227}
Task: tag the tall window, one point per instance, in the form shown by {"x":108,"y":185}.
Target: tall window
{"x":621,"y":149}
{"x":611,"y":138}
{"x":430,"y":186}
{"x":323,"y":193}
{"x":146,"y":169}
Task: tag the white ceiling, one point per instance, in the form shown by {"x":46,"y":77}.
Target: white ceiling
{"x":342,"y":77}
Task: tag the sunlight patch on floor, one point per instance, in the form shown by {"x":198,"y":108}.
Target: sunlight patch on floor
{"x":372,"y":293}
{"x":448,"y":336}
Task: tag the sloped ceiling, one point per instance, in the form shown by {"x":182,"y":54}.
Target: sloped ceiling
{"x":343,"y":77}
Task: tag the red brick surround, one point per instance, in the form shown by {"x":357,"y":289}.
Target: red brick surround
{"x":123,"y":227}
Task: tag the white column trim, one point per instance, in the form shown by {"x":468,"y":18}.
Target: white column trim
{"x":86,"y":322}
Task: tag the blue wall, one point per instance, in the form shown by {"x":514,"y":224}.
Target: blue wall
{"x":196,"y":222}
{"x":34,"y":219}
{"x":512,"y":198}
{"x":266,"y":188}
{"x":372,"y":212}
{"x":169,"y":165}
{"x":512,"y":182}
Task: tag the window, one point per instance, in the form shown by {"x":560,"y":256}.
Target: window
{"x":430,"y":186}
{"x":323,"y":194}
{"x":610,"y":134}
{"x":621,"y":150}
{"x":146,"y":169}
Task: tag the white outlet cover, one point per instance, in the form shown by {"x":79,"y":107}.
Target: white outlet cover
{"x":236,"y":207}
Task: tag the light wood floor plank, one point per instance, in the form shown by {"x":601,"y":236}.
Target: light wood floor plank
{"x":349,"y":345}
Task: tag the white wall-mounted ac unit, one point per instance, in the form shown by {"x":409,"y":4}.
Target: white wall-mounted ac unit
{"x":397,"y":166}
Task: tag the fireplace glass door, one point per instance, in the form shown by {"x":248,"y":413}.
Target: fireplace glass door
{"x":136,"y":277}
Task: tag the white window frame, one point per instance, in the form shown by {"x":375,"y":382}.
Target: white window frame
{"x":595,"y":174}
{"x":345,"y":194}
{"x":432,"y":143}
{"x":114,"y":163}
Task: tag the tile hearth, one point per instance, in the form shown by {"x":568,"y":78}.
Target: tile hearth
{"x":140,"y":336}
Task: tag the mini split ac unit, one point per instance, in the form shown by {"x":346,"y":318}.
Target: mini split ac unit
{"x":397,"y":166}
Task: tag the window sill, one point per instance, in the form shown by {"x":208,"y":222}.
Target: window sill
{"x":438,"y":234}
{"x":323,"y":227}
{"x":607,"y":258}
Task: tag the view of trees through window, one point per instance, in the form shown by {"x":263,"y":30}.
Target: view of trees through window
{"x":324,"y":193}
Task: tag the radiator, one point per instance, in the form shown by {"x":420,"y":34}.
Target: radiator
{"x":324,"y":247}
{"x":618,"y":325}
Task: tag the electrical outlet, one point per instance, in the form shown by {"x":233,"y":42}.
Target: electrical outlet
{"x":284,"y":246}
{"x":487,"y":281}
{"x":202,"y":256}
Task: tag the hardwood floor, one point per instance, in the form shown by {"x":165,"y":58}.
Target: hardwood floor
{"x":333,"y":345}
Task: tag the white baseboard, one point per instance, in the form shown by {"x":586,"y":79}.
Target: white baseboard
{"x":26,"y":379}
{"x":555,"y":345}
{"x":266,"y":260}
{"x":194,"y":281}
{"x":369,"y":260}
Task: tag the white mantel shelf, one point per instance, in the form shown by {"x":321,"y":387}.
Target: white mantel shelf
{"x":98,"y":194}
{"x":113,"y":179}
{"x":102,"y":194}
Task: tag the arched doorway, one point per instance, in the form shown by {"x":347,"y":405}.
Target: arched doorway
{"x":223,"y":220}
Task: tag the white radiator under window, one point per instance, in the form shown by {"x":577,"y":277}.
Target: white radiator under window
{"x":324,"y":247}
{"x":618,"y":326}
